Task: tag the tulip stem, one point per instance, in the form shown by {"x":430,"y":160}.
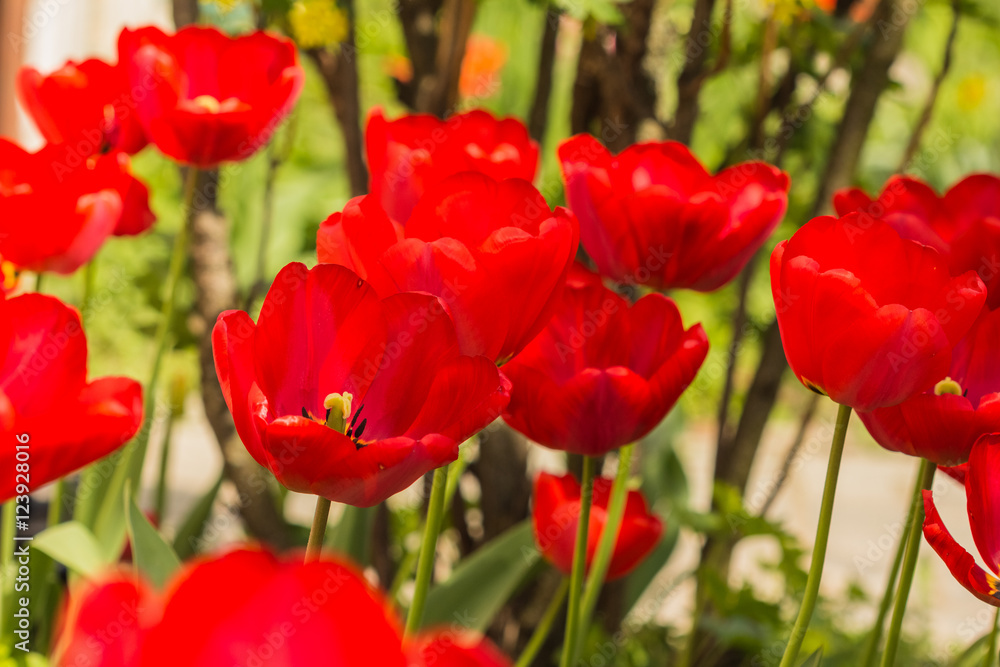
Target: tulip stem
{"x":991,"y":650}
{"x":544,"y":627}
{"x":927,"y":470}
{"x":871,"y":650}
{"x":573,"y":613}
{"x":609,"y":537}
{"x":822,"y":537}
{"x":425,"y":561}
{"x":314,"y":547}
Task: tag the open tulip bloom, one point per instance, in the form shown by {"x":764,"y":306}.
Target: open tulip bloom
{"x":45,"y":397}
{"x":653,"y":215}
{"x":263,"y":611}
{"x":602,"y":373}
{"x":412,"y":154}
{"x":409,"y":396}
{"x":206,"y":97}
{"x":493,"y":251}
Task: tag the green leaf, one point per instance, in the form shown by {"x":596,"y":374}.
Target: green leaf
{"x":483,"y":583}
{"x":72,"y":544}
{"x":189,"y":534}
{"x":152,"y":556}
{"x":352,"y":534}
{"x":641,"y":578}
{"x":815,"y":660}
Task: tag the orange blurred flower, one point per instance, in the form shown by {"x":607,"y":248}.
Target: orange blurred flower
{"x":484,"y":58}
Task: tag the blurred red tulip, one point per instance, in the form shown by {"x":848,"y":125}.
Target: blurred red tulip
{"x":45,"y":398}
{"x":50,"y":219}
{"x":324,"y":331}
{"x":652,"y":215}
{"x":246,"y":608}
{"x":556,"y":514}
{"x":492,"y":251}
{"x":446,"y":648}
{"x":982,"y":490}
{"x":867,"y":317}
{"x":410,"y":155}
{"x":602,"y":374}
{"x":209,"y":98}
{"x":89,"y":106}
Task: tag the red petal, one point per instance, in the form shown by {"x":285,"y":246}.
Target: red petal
{"x":982,"y":486}
{"x":232,"y":346}
{"x":961,"y":564}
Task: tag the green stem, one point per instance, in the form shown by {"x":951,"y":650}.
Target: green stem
{"x":992,"y":649}
{"x":161,"y":482}
{"x":609,"y":537}
{"x":38,"y":282}
{"x":927,"y":470}
{"x":321,"y":517}
{"x":822,"y":537}
{"x":573,"y":630}
{"x":871,"y":650}
{"x":7,"y":569}
{"x":89,"y":279}
{"x":55,"y":504}
{"x":425,"y":561}
{"x":544,"y":627}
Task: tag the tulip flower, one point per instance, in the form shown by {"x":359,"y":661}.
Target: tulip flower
{"x":492,"y":251}
{"x":410,"y":155}
{"x":245,"y":607}
{"x":963,"y":224}
{"x":983,"y":495}
{"x":88,"y":106}
{"x":46,"y":402}
{"x":446,"y":648}
{"x":408,"y":396}
{"x":49,"y":220}
{"x":867,"y":317}
{"x":209,"y":98}
{"x":653,"y":215}
{"x":602,"y":374}
{"x":555,"y":515}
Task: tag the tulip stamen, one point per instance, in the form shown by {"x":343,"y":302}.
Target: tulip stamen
{"x":949,"y":386}
{"x":354,"y":433}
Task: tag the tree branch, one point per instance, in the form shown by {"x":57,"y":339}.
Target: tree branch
{"x":539,"y":116}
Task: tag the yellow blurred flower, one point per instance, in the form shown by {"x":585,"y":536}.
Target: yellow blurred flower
{"x":317,"y":23}
{"x":971,"y":91}
{"x":224,"y":6}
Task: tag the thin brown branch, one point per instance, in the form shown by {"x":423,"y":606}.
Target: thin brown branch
{"x":538,"y":118}
{"x":739,"y":320}
{"x":800,"y":437}
{"x":925,"y":115}
{"x":438,"y":92}
{"x":692,"y":76}
{"x":889,"y":22}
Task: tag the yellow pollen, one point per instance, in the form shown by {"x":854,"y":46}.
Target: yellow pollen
{"x":338,"y":408}
{"x":947,"y":386}
{"x":208,"y":103}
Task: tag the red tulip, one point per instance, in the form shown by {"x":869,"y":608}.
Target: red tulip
{"x":45,"y":399}
{"x":324,"y":331}
{"x":964,"y":224}
{"x":209,"y":98}
{"x":492,"y":251}
{"x":445,"y":648}
{"x":106,"y":622}
{"x":556,"y":514}
{"x":982,"y":489}
{"x":246,"y":608}
{"x":71,"y":213}
{"x":412,"y":154}
{"x":88,"y":106}
{"x":652,"y":215}
{"x":866,"y":317}
{"x":942,"y":424}
{"x":602,"y":374}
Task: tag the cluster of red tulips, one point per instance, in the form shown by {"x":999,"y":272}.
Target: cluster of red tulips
{"x":449,"y":297}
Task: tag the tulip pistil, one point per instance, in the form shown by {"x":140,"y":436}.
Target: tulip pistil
{"x":948,"y":386}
